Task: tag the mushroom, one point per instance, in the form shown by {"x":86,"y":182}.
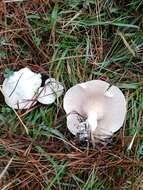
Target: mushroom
{"x":20,"y":89}
{"x":52,"y":90}
{"x":95,"y":109}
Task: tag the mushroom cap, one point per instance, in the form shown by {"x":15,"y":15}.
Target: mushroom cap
{"x":96,"y":96}
{"x":52,"y":90}
{"x":20,"y":88}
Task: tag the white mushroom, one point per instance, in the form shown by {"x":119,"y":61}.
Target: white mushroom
{"x":52,"y":90}
{"x":20,"y":88}
{"x":94,"y":109}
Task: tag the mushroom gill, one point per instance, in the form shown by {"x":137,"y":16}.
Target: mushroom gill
{"x":94,"y":109}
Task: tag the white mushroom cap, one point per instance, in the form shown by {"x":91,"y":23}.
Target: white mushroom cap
{"x":101,"y":106}
{"x":20,"y":88}
{"x":52,"y":90}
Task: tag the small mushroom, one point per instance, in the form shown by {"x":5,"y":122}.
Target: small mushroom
{"x":52,"y":90}
{"x":20,"y":89}
{"x":95,"y":110}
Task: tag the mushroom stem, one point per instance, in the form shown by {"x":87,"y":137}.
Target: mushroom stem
{"x":92,"y":121}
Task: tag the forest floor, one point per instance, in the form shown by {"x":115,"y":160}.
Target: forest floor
{"x":72,"y":41}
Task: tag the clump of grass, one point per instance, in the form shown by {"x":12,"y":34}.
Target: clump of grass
{"x":73,"y":41}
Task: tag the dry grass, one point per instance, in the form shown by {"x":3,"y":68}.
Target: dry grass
{"x":72,"y":41}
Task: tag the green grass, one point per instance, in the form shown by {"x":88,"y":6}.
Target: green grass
{"x":72,"y":41}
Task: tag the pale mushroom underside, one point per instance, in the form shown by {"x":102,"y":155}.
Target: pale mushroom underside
{"x":96,"y":96}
